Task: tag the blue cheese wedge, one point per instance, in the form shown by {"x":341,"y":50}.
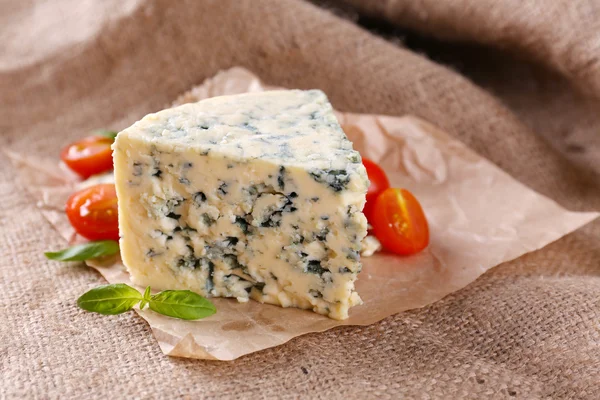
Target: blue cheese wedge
{"x":250,"y":196}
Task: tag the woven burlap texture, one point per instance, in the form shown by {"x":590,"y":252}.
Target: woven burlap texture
{"x":528,"y":329}
{"x":563,"y":35}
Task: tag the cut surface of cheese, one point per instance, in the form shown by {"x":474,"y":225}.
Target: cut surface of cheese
{"x":257,"y":195}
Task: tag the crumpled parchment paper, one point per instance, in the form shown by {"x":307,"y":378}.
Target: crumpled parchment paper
{"x":479,"y":217}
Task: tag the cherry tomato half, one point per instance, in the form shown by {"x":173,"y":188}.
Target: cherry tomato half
{"x":93,"y":212}
{"x":379,"y":182}
{"x":399,"y":222}
{"x":89,"y":156}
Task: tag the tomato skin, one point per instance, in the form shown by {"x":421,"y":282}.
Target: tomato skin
{"x":93,"y":212}
{"x":399,"y":222}
{"x":89,"y":156}
{"x":379,"y":182}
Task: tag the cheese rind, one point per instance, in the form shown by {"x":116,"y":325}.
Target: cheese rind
{"x":249,"y":196}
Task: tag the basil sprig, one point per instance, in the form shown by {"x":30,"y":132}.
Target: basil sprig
{"x":118,"y":298}
{"x":107,"y":133}
{"x":110,"y":299}
{"x":182,"y":304}
{"x":82,"y":252}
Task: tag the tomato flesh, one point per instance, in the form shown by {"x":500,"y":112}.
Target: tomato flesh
{"x":89,"y":156}
{"x":379,"y":182}
{"x":93,"y":212}
{"x":399,"y":222}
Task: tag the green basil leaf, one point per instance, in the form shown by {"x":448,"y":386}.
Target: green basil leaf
{"x":111,"y":299}
{"x":85,"y":251}
{"x":182,"y":304}
{"x":107,"y":133}
{"x":147,"y":298}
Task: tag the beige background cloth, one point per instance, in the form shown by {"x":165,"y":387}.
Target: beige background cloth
{"x":522,"y":89}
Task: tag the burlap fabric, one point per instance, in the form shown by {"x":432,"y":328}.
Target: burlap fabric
{"x":528,"y":329}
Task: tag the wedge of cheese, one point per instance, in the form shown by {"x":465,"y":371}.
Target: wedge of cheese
{"x":250,"y":196}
